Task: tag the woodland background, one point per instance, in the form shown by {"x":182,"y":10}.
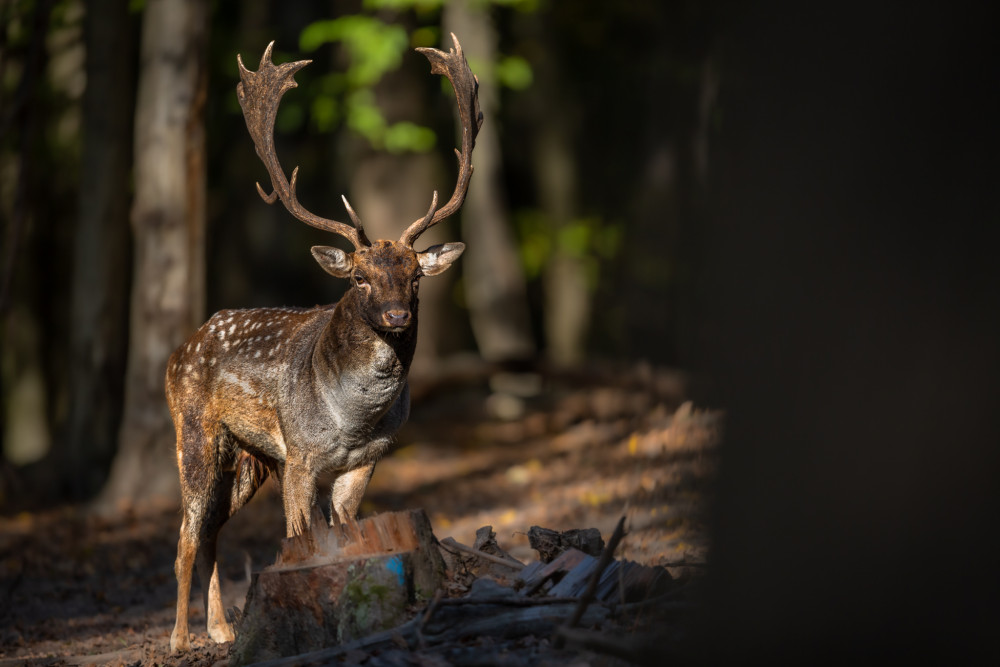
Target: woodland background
{"x":794,"y":204}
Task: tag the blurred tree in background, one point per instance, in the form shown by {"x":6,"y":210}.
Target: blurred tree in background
{"x":595,"y":149}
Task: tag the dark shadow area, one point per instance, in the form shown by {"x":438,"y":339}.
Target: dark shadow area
{"x":853,"y":335}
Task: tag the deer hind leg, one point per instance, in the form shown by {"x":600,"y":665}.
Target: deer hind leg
{"x":192,"y":441}
{"x":206,"y":495}
{"x":233,"y":490}
{"x":215,"y":515}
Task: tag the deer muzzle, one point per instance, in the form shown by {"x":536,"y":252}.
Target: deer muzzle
{"x":394,"y":317}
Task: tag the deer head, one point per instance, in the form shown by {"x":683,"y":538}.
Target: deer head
{"x":384,"y":274}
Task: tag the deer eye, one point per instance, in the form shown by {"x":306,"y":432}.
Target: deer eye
{"x":360,"y":280}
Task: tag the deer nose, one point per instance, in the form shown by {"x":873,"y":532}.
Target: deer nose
{"x":396,"y":317}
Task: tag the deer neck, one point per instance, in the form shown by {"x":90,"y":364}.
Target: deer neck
{"x":351,"y":347}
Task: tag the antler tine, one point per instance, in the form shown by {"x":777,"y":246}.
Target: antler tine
{"x":260,"y":94}
{"x":356,"y":220}
{"x":426,"y":220}
{"x":454,"y":66}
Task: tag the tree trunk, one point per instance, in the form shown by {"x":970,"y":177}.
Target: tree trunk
{"x":168,"y":219}
{"x":26,"y":398}
{"x":494,"y":281}
{"x":567,"y":292}
{"x":101,"y":254}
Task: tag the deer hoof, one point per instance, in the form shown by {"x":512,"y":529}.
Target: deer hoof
{"x":221,"y":633}
{"x":179,"y":642}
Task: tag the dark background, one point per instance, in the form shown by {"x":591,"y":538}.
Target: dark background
{"x":854,"y":280}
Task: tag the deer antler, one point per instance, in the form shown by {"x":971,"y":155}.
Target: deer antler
{"x":454,"y":66}
{"x":260,"y":94}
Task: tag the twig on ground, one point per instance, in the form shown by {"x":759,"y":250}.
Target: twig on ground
{"x":431,"y":608}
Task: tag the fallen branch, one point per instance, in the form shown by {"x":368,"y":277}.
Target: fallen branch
{"x":458,"y":546}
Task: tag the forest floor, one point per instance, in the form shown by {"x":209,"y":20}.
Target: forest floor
{"x":560,"y":451}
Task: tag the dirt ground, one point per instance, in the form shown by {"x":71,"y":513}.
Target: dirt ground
{"x":510,"y":450}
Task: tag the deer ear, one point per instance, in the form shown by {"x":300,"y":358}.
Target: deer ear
{"x":334,"y":261}
{"x":438,"y":258}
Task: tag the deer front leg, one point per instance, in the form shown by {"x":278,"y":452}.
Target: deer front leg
{"x":347,"y":492}
{"x":298,"y":488}
{"x":349,"y":488}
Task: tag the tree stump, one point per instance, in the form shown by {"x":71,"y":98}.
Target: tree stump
{"x":336,"y":584}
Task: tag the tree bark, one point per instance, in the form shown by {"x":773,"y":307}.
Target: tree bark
{"x":494,"y":281}
{"x":168,"y":219}
{"x":100,"y":250}
{"x":567,"y":293}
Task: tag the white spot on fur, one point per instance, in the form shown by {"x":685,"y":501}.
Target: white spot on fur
{"x":198,"y":347}
{"x":257,"y":355}
{"x":211,"y":361}
{"x":231,"y":329}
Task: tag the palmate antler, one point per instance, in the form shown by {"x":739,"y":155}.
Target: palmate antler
{"x":454,"y":66}
{"x":260,"y":94}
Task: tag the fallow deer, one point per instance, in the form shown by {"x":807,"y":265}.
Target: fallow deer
{"x":313,"y":396}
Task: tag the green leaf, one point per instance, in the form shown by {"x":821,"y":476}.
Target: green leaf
{"x":364,"y":117}
{"x":374,"y":47}
{"x":574,"y":239}
{"x":405,"y":136}
{"x":514,"y":72}
{"x":324,"y":112}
